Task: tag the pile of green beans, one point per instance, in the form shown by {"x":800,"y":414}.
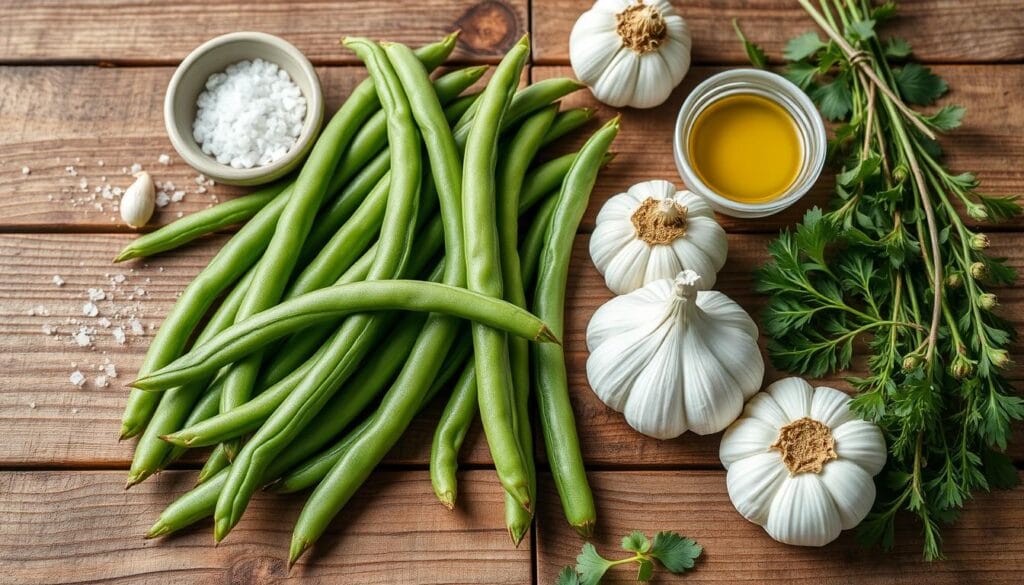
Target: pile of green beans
{"x":423,"y":205}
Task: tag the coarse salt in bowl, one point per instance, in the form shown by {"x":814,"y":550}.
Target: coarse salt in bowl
{"x":244,"y":108}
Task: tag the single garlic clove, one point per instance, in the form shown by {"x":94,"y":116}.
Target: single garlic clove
{"x":138,"y":200}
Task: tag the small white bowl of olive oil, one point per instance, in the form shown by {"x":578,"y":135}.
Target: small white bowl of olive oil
{"x":750,"y":142}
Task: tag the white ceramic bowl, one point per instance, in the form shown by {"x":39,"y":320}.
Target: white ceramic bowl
{"x":810,"y":127}
{"x":214,"y":56}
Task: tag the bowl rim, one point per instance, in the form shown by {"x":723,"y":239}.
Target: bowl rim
{"x":208,"y":166}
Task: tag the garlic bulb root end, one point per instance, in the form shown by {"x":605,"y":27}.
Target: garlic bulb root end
{"x":659,"y":222}
{"x":806,"y":446}
{"x":641,"y":27}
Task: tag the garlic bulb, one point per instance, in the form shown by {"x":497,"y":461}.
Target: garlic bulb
{"x":138,"y":201}
{"x":630,"y":52}
{"x":674,"y":359}
{"x":652,"y":232}
{"x":800,"y":463}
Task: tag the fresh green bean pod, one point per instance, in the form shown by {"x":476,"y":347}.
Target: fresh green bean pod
{"x":515,"y":162}
{"x":557,"y":421}
{"x":208,"y":406}
{"x":180,"y":232}
{"x":528,"y":100}
{"x":233,"y":259}
{"x":456,"y":418}
{"x":217,"y":461}
{"x":176,"y":404}
{"x":356,"y":337}
{"x":533,"y":242}
{"x":494,"y":392}
{"x":314,"y":469}
{"x":567,"y":122}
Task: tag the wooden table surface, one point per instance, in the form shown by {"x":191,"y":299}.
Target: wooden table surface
{"x":81,"y":88}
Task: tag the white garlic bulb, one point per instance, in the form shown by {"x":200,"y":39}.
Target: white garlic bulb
{"x":672,"y":358}
{"x":138,"y":201}
{"x":801,"y":463}
{"x":652,"y":232}
{"x":630,"y":52}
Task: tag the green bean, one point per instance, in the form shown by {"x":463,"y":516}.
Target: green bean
{"x":249,"y":416}
{"x":217,"y":461}
{"x":566,"y":122}
{"x":518,"y":155}
{"x":201,"y":223}
{"x":456,"y":418}
{"x":528,"y":100}
{"x":357,"y":335}
{"x":208,"y":406}
{"x":176,"y":404}
{"x":315,"y":469}
{"x":484,"y":273}
{"x":556,"y":414}
{"x":533,"y":242}
{"x":233,"y":259}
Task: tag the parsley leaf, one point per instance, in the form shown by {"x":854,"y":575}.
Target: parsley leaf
{"x":861,"y":30}
{"x":591,"y":565}
{"x":803,"y":46}
{"x":754,"y":53}
{"x":918,"y":85}
{"x":834,"y":99}
{"x":801,"y":73}
{"x":676,"y":553}
{"x":948,"y":118}
{"x":568,"y":576}
{"x":897,"y":48}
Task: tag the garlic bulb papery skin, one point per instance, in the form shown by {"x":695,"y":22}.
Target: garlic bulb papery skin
{"x":673,"y":358}
{"x":800,"y":463}
{"x":630,"y":52}
{"x":652,"y":232}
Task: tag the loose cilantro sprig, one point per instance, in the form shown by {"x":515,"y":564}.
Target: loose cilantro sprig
{"x":672,"y":551}
{"x":892,"y":264}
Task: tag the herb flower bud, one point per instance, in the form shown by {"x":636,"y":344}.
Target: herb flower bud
{"x":999,"y":358}
{"x":980,"y":241}
{"x":978,"y":271}
{"x":900,"y":173}
{"x":988,"y":301}
{"x":910,"y":362}
{"x":961,"y":368}
{"x":977,"y":212}
{"x":954,"y":280}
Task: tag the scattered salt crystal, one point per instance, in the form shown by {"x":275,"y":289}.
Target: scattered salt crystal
{"x":32,"y":405}
{"x":96,"y":294}
{"x":162,"y":199}
{"x":26,"y":170}
{"x":118,"y":334}
{"x":84,"y":184}
{"x":74,"y":411}
{"x":48,"y":329}
{"x":136,"y":167}
{"x":104,"y":322}
{"x":110,"y":370}
{"x":90,"y":309}
{"x":136,"y":326}
{"x":118,"y":278}
{"x":100,"y":163}
{"x":140,"y":291}
{"x":177,"y":196}
{"x":180,"y":214}
{"x":57,"y":280}
{"x":77,"y":378}
{"x":71,"y":171}
{"x":101,"y":382}
{"x":164,"y":159}
{"x":83,"y":337}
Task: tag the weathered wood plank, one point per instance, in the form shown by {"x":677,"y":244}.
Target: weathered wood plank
{"x":985,"y":546}
{"x":152,"y":32}
{"x":69,"y":123}
{"x":48,"y":421}
{"x":78,"y":527}
{"x":988,"y":144}
{"x":944,"y":31}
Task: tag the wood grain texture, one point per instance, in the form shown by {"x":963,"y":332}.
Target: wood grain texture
{"x":990,"y":143}
{"x":82,"y":527}
{"x":48,"y":421}
{"x":987,"y":545}
{"x":154,"y":32}
{"x":944,"y":31}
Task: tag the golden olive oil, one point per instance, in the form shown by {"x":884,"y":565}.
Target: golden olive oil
{"x":746,"y":148}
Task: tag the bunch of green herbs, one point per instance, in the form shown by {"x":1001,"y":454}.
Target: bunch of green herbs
{"x":893,"y":268}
